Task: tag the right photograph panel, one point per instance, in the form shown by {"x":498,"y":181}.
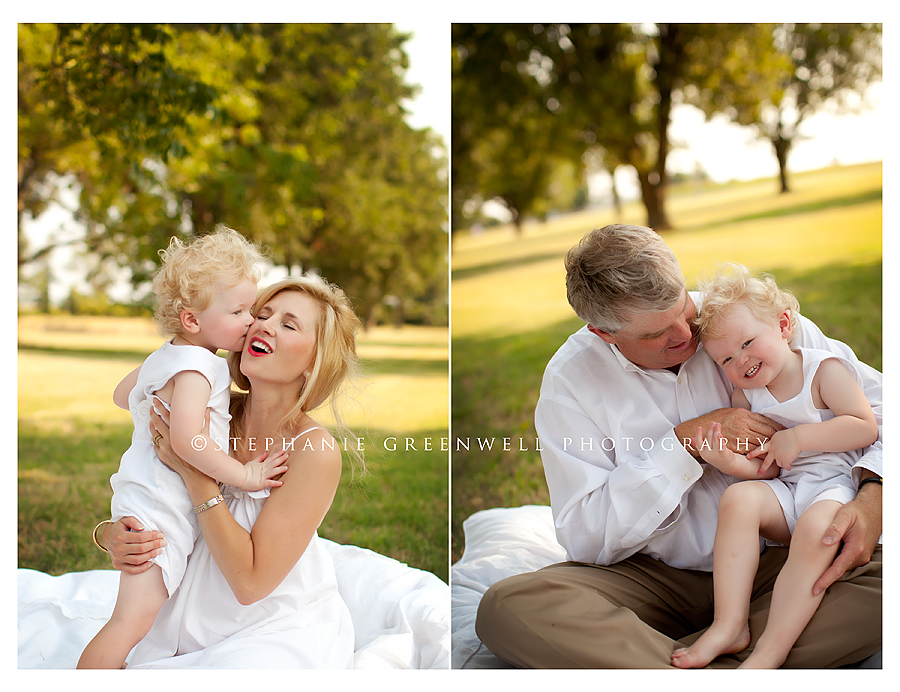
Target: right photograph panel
{"x":666,"y":321}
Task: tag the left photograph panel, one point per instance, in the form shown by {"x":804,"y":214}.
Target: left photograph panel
{"x":233,"y":346}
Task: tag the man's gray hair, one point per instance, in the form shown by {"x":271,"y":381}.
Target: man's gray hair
{"x":619,"y":271}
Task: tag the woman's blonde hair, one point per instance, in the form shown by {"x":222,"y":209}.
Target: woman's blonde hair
{"x":191,"y":272}
{"x":335,"y":361}
{"x":733,"y":284}
{"x":618,"y":271}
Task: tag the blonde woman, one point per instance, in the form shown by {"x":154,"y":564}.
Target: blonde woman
{"x":260,"y":588}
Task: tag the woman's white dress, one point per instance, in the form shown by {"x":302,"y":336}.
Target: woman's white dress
{"x":813,"y":476}
{"x":303,"y":623}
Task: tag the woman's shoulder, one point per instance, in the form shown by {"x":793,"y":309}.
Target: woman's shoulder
{"x":312,"y":440}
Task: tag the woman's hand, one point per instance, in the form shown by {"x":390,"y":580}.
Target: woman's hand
{"x":130,"y":546}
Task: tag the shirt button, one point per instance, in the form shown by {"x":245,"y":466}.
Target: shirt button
{"x":687,"y":476}
{"x":678,"y":380}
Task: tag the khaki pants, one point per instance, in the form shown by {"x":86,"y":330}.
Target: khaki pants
{"x":635,"y":613}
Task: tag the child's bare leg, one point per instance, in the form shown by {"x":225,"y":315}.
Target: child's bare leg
{"x":745,"y":511}
{"x":137,"y":604}
{"x":793,"y":603}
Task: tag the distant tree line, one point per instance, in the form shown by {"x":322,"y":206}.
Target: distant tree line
{"x":528,"y":97}
{"x":293,"y":134}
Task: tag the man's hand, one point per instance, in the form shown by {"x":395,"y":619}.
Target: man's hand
{"x":743,"y":430}
{"x":858,"y":524}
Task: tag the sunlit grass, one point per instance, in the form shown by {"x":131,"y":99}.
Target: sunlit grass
{"x":71,"y":437}
{"x":503,"y":284}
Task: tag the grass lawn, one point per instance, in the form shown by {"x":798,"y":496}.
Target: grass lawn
{"x":71,"y":437}
{"x":510,"y":314}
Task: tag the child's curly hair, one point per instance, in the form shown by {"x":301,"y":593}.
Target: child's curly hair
{"x":734,"y":284}
{"x":191,"y":272}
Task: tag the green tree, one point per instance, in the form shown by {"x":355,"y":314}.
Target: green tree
{"x":304,"y":148}
{"x":95,"y":92}
{"x":819,"y":64}
{"x":619,"y":83}
{"x":610,"y":86}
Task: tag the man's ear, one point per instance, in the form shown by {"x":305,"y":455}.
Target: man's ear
{"x":606,"y":336}
{"x":189,"y":322}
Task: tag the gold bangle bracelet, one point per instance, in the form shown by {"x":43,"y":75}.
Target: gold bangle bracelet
{"x":94,"y":535}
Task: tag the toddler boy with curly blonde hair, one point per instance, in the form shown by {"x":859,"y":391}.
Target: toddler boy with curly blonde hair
{"x":795,"y":483}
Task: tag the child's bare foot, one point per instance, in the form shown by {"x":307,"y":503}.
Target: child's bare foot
{"x":718,"y":639}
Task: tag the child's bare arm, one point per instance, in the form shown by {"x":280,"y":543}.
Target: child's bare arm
{"x":853,"y":425}
{"x":123,"y":389}
{"x":190,"y":397}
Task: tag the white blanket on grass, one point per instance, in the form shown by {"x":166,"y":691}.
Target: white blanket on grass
{"x":500,"y":543}
{"x":401,"y":615}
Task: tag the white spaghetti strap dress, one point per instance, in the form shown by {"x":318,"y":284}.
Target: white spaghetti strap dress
{"x":303,"y":623}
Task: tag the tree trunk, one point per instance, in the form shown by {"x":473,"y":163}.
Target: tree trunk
{"x":372,"y":318}
{"x":516,"y":216}
{"x":782,"y":148}
{"x":202,"y":216}
{"x":617,"y":201}
{"x":668,"y":68}
{"x":654,"y":202}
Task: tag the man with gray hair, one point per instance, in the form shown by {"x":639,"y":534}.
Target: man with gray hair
{"x":634,"y":506}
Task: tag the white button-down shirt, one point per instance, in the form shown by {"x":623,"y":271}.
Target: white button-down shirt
{"x":620,"y":482}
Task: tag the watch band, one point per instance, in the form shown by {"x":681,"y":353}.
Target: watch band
{"x":868,"y":480}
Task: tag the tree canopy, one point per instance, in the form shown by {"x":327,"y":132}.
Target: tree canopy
{"x":293,"y":134}
{"x":820,"y":64}
{"x":526,"y":96}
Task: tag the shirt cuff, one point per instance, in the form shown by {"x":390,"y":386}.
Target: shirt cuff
{"x":681,"y":470}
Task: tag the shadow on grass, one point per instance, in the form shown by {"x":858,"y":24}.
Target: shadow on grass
{"x":373,"y":366}
{"x":819,"y":205}
{"x":404,"y":366}
{"x":89,"y":353}
{"x":468,"y":272}
{"x":495,"y":386}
